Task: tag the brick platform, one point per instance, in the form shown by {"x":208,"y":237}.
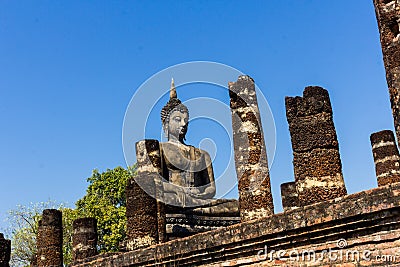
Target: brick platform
{"x":367,"y":221}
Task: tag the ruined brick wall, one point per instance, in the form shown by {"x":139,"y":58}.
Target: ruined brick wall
{"x":142,"y":209}
{"x":84,"y":238}
{"x":49,"y":239}
{"x":5,"y":251}
{"x":33,"y":261}
{"x":255,"y":198}
{"x":365,"y":226}
{"x":316,"y":159}
{"x":290,"y":197}
{"x":386,"y":157}
{"x":141,"y":214}
{"x":388,"y":17}
{"x":149,"y":164}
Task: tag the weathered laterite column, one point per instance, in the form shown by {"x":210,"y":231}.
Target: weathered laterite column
{"x":386,"y":157}
{"x":290,"y":197}
{"x":5,"y":251}
{"x":388,"y":17}
{"x":255,"y":198}
{"x":141,"y":205}
{"x":141,"y":213}
{"x":316,"y":158}
{"x":33,"y":261}
{"x":151,"y":165}
{"x":49,"y":239}
{"x":84,"y":238}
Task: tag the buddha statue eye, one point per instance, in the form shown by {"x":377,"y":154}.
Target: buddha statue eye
{"x":177,"y":119}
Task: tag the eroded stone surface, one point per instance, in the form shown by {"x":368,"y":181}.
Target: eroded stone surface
{"x":149,"y":162}
{"x":369,"y":220}
{"x":255,"y":199}
{"x":49,"y":239}
{"x":5,"y":251}
{"x":386,"y":157}
{"x":316,"y":158}
{"x":141,"y":212}
{"x":290,"y":197}
{"x":84,"y":238}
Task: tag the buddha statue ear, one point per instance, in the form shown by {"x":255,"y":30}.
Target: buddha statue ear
{"x":166,"y":129}
{"x":167,"y":133}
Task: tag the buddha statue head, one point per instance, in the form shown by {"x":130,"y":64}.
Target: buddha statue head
{"x":175,"y":117}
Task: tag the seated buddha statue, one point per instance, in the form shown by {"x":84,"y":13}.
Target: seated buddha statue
{"x":187,"y":171}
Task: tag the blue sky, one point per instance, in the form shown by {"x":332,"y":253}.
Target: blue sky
{"x":68,"y":70}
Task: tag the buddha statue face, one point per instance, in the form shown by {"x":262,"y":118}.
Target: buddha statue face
{"x":177,"y":124}
{"x":175,"y":117}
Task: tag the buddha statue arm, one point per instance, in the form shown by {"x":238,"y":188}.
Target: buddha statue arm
{"x":170,"y":187}
{"x":207,"y":190}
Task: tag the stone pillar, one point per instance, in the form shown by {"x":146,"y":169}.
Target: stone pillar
{"x":49,"y":239}
{"x":84,"y":238}
{"x":5,"y":251}
{"x":388,"y":17}
{"x":141,"y":213}
{"x":386,"y":157}
{"x":33,"y":261}
{"x":149,"y":163}
{"x":141,"y":205}
{"x":289,"y":195}
{"x":255,"y":198}
{"x":316,"y":158}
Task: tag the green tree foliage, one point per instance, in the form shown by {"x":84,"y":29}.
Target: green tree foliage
{"x":68,"y":217}
{"x":23,"y":224}
{"x":23,"y":227}
{"x":105,"y":201}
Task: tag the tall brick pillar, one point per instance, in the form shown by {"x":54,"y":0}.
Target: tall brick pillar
{"x":33,"y":261}
{"x":388,"y":17}
{"x":255,"y":198}
{"x":49,"y":239}
{"x":386,"y":157}
{"x":151,"y":165}
{"x":316,"y":159}
{"x":5,"y":251}
{"x":84,"y":238}
{"x":290,"y":197}
{"x":141,"y":204}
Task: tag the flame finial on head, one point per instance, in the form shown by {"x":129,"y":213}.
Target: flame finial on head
{"x":172,"y":103}
{"x":172,"y":93}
